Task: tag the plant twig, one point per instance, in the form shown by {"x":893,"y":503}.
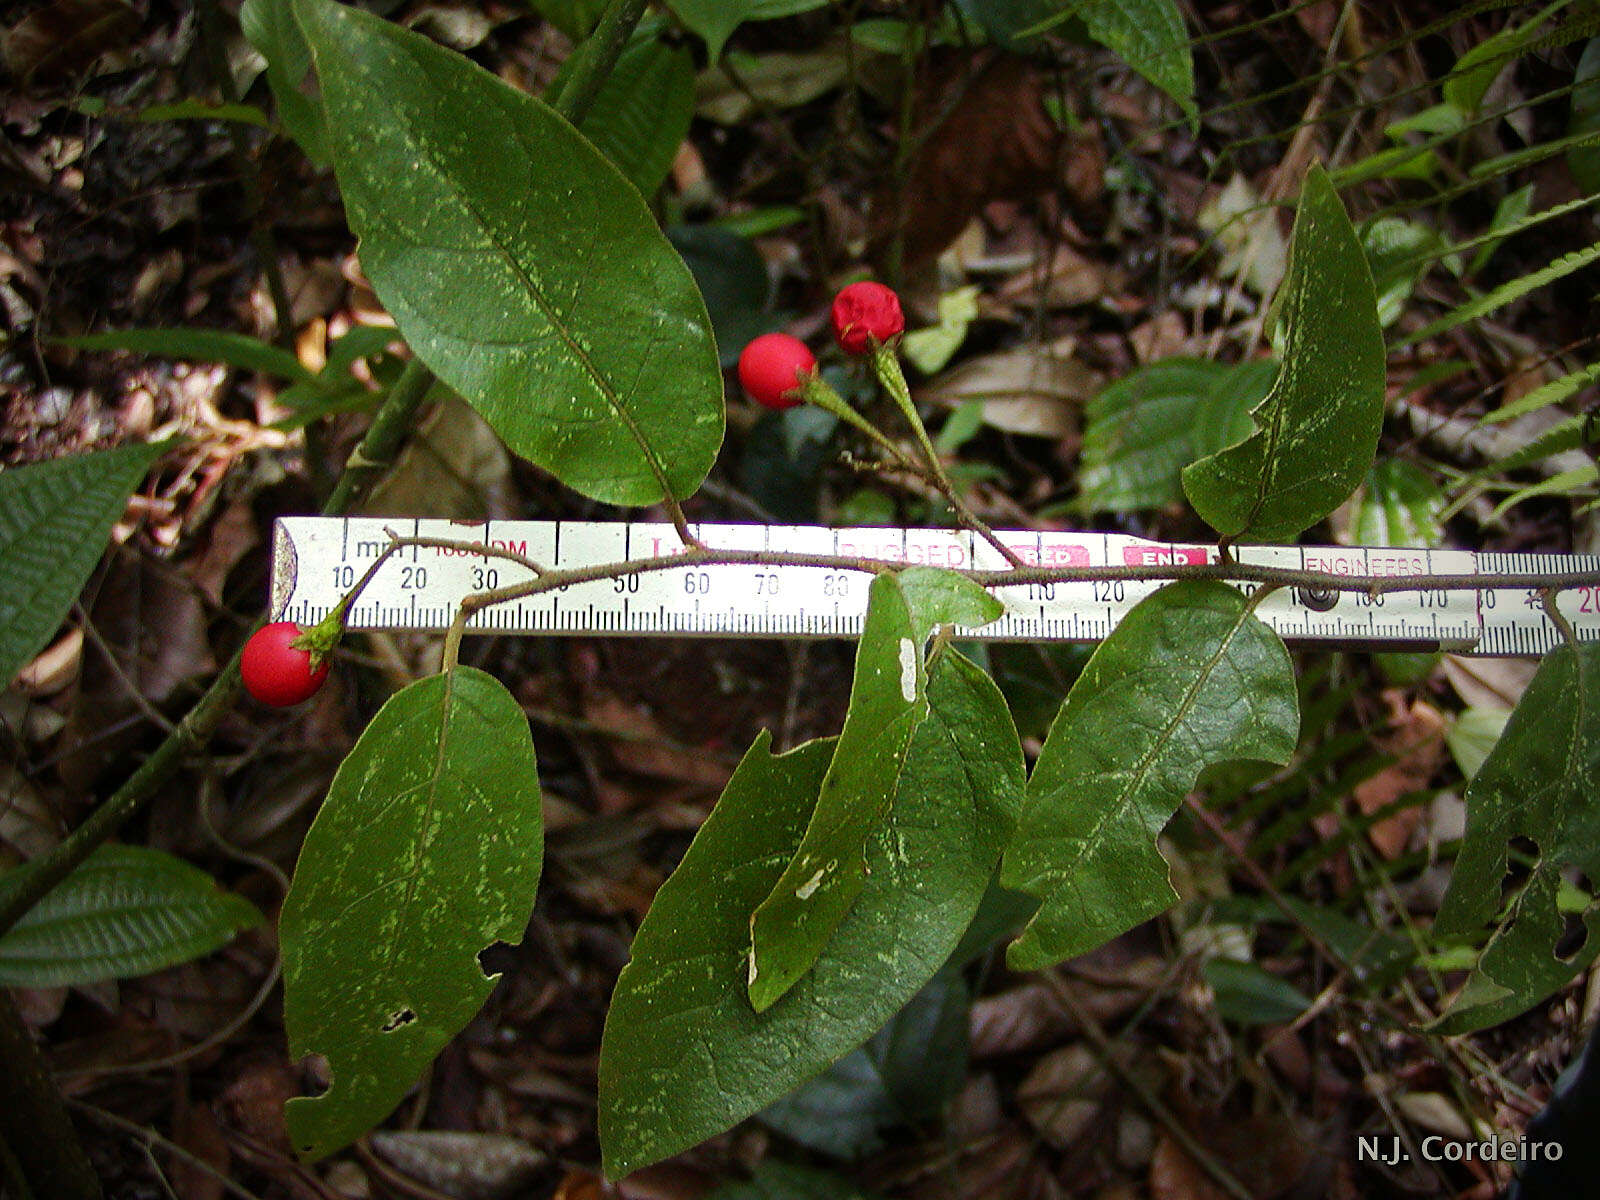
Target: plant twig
{"x":1153,"y":1104}
{"x":33,"y":1120}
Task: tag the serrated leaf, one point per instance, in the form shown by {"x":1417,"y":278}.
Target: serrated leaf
{"x":125,"y":911}
{"x":270,"y":27}
{"x":1541,"y":782}
{"x":715,"y":20}
{"x":684,"y":1055}
{"x":1317,"y":429}
{"x":1150,"y":37}
{"x":55,"y":518}
{"x":427,"y":849}
{"x":1189,"y":678}
{"x":199,"y":345}
{"x":888,"y":700}
{"x":518,"y":263}
{"x":641,"y":115}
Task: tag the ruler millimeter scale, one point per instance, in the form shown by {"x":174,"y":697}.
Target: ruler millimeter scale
{"x":317,"y":560}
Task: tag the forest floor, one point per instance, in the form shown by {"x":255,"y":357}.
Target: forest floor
{"x":1069,"y":227}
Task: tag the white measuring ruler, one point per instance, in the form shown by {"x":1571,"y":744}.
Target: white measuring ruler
{"x":316,"y":560}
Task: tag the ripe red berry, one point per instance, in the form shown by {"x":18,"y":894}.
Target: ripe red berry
{"x":277,"y":673}
{"x":773,"y":368}
{"x":866,"y":312}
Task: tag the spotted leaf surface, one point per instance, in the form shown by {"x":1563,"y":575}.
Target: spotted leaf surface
{"x":684,"y":1055}
{"x":1189,"y":678}
{"x":427,"y":849}
{"x":1540,"y":788}
{"x":1317,"y":429}
{"x":519,"y":263}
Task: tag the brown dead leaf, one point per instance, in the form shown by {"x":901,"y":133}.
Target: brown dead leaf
{"x":1030,"y":1016}
{"x":640,"y":744}
{"x":996,"y":142}
{"x":472,"y":1166}
{"x":455,"y":466}
{"x":198,"y":1133}
{"x":1489,"y":682}
{"x":1063,"y":1094}
{"x":1176,"y":1176}
{"x":1067,"y":280}
{"x":1165,"y":336}
{"x":1026,"y":391}
{"x":1416,"y":741}
{"x":54,"y":667}
{"x":65,"y":37}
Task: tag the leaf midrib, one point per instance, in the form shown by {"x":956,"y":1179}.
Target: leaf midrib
{"x":424,"y":155}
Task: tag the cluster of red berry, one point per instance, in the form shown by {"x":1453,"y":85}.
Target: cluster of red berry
{"x":774,"y":367}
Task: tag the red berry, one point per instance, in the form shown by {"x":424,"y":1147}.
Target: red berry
{"x":277,"y":673}
{"x":864,"y":313}
{"x":773,"y":369}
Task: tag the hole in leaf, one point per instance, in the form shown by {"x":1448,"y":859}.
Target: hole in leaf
{"x":1574,"y":936}
{"x":1522,"y":855}
{"x":401,"y":1017}
{"x":496,"y":959}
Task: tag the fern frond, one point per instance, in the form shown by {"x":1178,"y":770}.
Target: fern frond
{"x":1507,"y":292}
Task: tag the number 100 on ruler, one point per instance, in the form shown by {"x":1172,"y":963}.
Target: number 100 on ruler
{"x":317,"y":560}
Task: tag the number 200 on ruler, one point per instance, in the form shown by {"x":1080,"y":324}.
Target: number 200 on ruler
{"x":317,"y":560}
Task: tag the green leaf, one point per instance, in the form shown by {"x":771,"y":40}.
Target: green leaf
{"x":1398,"y":252}
{"x":427,"y":849}
{"x":1584,"y":160}
{"x":1154,"y":421}
{"x":887,"y":703}
{"x":1572,"y":482}
{"x":684,"y":1055}
{"x":55,"y":519}
{"x":774,"y":1180}
{"x":200,"y":110}
{"x":1546,"y":394}
{"x":1007,"y":22}
{"x":1475,"y":70}
{"x":930,"y":349}
{"x":1188,"y":679}
{"x":518,"y":263}
{"x":199,"y":345}
{"x":641,"y":115}
{"x":732,"y":276}
{"x":937,"y":598}
{"x":1248,"y":994}
{"x":904,"y":1074}
{"x":125,"y":911}
{"x":1318,"y":427}
{"x":715,"y":20}
{"x":1514,"y":289}
{"x":1510,"y":215}
{"x":270,"y":27}
{"x":1150,"y":37}
{"x":1541,"y":784}
{"x":1471,"y":737}
{"x":575,"y":18}
{"x":1399,"y":506}
{"x":888,"y":700}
